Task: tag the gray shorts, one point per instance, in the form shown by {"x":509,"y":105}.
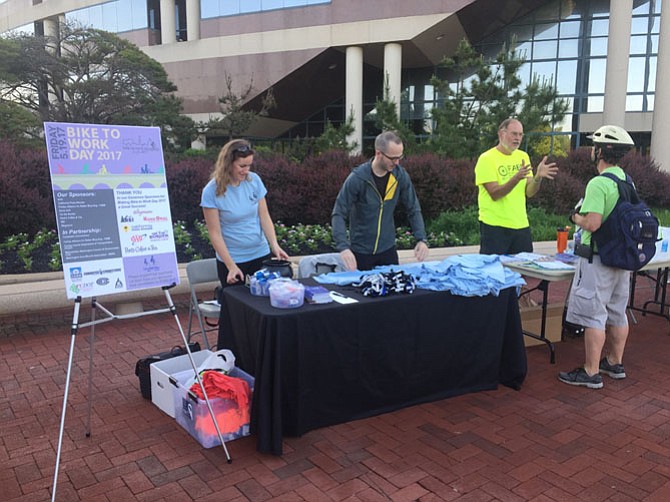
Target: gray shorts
{"x":599,"y":295}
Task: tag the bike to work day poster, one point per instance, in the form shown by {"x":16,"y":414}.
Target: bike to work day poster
{"x":112,"y":208}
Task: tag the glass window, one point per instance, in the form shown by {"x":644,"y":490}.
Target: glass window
{"x":295,"y":3}
{"x":655,"y":25}
{"x":269,"y":4}
{"x":109,"y":20}
{"x":28,"y":29}
{"x":229,"y":7}
{"x":139,"y":14}
{"x":651,"y":86}
{"x":595,"y":104}
{"x":209,"y":8}
{"x":545,"y":72}
{"x":250,"y":5}
{"x":568,"y":48}
{"x":597,"y":69}
{"x":642,"y":8}
{"x":634,"y":103}
{"x":654,"y":44}
{"x":636,"y":71}
{"x":639,"y":25}
{"x":95,"y":16}
{"x":600,"y":27}
{"x":565,"y":125}
{"x":638,"y":44}
{"x":600,"y":8}
{"x":522,"y":33}
{"x":650,"y":102}
{"x":524,"y":49}
{"x":125,"y":23}
{"x":546,"y":31}
{"x":545,"y":50}
{"x":566,"y":82}
{"x":524,"y":75}
{"x":570,"y":29}
{"x":598,"y":47}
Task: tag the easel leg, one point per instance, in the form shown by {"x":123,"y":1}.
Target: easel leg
{"x":195,"y":370}
{"x":75,"y":321}
{"x":91,"y":347}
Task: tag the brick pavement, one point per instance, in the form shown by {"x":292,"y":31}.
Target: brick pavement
{"x":547,"y":442}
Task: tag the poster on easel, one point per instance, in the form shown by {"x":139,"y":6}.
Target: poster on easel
{"x":112,"y":208}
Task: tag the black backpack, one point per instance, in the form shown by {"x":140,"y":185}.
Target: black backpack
{"x":627,"y":238}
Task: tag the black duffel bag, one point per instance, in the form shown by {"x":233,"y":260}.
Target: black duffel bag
{"x":143,"y":371}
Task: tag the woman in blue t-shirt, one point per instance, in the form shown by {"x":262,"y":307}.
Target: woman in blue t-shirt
{"x":237,"y":216}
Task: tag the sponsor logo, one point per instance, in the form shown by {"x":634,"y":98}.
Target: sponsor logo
{"x":161,"y":235}
{"x":75,"y":274}
{"x":102,"y":271}
{"x":102,"y":281}
{"x":155,"y":219}
{"x":127,"y":219}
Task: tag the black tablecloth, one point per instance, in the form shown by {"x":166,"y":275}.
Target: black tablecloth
{"x":320,"y":365}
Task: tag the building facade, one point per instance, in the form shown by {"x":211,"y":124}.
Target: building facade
{"x":327,"y":59}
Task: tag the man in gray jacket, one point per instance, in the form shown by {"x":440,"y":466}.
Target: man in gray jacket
{"x":366,"y":203}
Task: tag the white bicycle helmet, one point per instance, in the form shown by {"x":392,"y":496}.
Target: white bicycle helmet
{"x":612,"y":135}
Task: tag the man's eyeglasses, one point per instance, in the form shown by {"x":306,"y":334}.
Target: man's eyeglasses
{"x":243,"y":151}
{"x":392,"y":159}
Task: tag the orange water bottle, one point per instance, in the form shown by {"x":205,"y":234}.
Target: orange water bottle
{"x":562,"y":239}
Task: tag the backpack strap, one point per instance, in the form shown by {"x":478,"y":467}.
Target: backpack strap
{"x":626,"y":188}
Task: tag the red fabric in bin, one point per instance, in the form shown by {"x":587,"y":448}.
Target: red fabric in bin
{"x":219,"y":385}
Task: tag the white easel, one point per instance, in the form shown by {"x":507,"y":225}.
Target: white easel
{"x":110,"y":317}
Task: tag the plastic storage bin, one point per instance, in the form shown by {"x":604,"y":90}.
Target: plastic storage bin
{"x":193,"y":415}
{"x":286,"y":294}
{"x":161,"y":371}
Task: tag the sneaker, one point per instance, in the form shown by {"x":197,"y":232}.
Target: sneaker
{"x":615,"y":371}
{"x":580,"y":377}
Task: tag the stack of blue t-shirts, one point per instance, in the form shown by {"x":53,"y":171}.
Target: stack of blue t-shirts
{"x":463,"y":275}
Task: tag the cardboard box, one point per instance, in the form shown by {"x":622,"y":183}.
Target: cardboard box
{"x":531,"y":320}
{"x":161,"y":389}
{"x":193,"y":415}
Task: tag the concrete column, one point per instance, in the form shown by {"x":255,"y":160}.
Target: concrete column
{"x":354,"y":95}
{"x":618,"y":52}
{"x":51,"y":29}
{"x":168,"y":22}
{"x":660,"y":124}
{"x":192,"y":20}
{"x":392,"y":73}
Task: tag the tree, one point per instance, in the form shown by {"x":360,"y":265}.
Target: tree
{"x":387,"y":118}
{"x":235,"y":120}
{"x":19,"y":125}
{"x":477,"y":95}
{"x":88,"y":75}
{"x":335,"y":138}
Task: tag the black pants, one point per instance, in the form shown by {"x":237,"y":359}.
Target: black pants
{"x":501,"y":240}
{"x":247,"y":268}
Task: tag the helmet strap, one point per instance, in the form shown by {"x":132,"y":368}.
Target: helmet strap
{"x":595,"y":154}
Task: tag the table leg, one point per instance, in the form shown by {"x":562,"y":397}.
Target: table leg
{"x":544,"y":287}
{"x":660,"y":294}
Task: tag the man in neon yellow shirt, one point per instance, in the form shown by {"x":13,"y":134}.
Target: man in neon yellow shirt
{"x":505,"y":179}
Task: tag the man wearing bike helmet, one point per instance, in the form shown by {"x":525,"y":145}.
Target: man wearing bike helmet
{"x":599,"y":294}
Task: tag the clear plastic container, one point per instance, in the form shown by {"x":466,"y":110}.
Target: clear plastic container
{"x":286,"y":293}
